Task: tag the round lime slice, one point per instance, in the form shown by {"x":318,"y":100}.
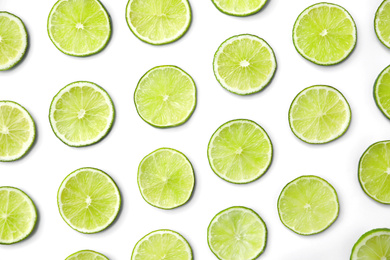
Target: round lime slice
{"x":79,"y":27}
{"x":17,"y":215}
{"x":382,"y":91}
{"x":88,"y":200}
{"x":81,"y":114}
{"x":240,"y":151}
{"x":244,"y":64}
{"x":324,"y":34}
{"x":237,"y":233}
{"x":319,"y":114}
{"x":17,"y":131}
{"x":308,"y":205}
{"x":239,"y":7}
{"x":166,"y":178}
{"x":158,"y":21}
{"x":382,"y":23}
{"x":86,"y":255}
{"x":165,"y":96}
{"x":13,"y":40}
{"x":162,"y":244}
{"x":373,"y":245}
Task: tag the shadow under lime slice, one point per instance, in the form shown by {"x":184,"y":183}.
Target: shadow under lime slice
{"x":382,"y":91}
{"x":373,"y":245}
{"x":18,"y":215}
{"x":382,"y":23}
{"x":86,"y":255}
{"x":88,"y":200}
{"x":239,"y":7}
{"x":237,"y":233}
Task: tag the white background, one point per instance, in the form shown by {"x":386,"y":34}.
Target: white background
{"x":45,"y":70}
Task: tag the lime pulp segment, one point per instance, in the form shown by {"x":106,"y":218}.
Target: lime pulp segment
{"x":88,"y":200}
{"x":237,"y":233}
{"x":324,"y":34}
{"x":86,"y":255}
{"x":382,"y":91}
{"x":166,"y":178}
{"x":244,"y":64}
{"x":79,"y":27}
{"x":239,"y":7}
{"x":17,"y":215}
{"x":165,"y":96}
{"x":158,"y":21}
{"x":382,"y":23}
{"x":373,"y":245}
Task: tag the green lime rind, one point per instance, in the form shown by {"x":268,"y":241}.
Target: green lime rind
{"x":242,"y":14}
{"x":84,"y":54}
{"x":113,"y":217}
{"x":377,"y":21}
{"x":91,"y":254}
{"x":242,"y":208}
{"x":347,"y":53}
{"x":179,"y":236}
{"x":375,"y":233}
{"x":293,"y":183}
{"x":381,"y":103}
{"x":161,"y":42}
{"x":189,"y":113}
{"x":142,"y":191}
{"x":23,"y":31}
{"x":29,"y":200}
{"x":32,"y":137}
{"x":103,"y":134}
{"x":229,"y":41}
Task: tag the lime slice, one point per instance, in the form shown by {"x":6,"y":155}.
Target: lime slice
{"x":239,"y":7}
{"x":17,"y":215}
{"x":165,"y":96}
{"x":237,"y":233}
{"x":88,"y":200}
{"x":382,"y":23}
{"x":86,"y":255}
{"x":166,"y":178}
{"x":17,"y":131}
{"x":308,"y":205}
{"x":382,"y":91}
{"x":81,"y":114}
{"x":13,"y":40}
{"x":373,"y":245}
{"x":374,"y":171}
{"x":319,"y":114}
{"x":162,"y":244}
{"x":79,"y":27}
{"x":324,"y":34}
{"x":240,"y":151}
{"x":158,"y":21}
{"x":244,"y":64}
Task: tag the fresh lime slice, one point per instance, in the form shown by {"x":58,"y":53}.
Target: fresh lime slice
{"x":239,"y":7}
{"x":17,"y":131}
{"x":382,"y":91}
{"x":88,"y":200}
{"x":86,"y":255}
{"x":319,"y":114}
{"x":244,"y":64}
{"x":308,"y":205}
{"x":373,"y":245}
{"x":17,"y":215}
{"x":79,"y":27}
{"x":81,"y":114}
{"x":374,"y":171}
{"x":162,"y":244}
{"x":237,"y":233}
{"x":240,"y":151}
{"x":165,"y":96}
{"x":13,"y":40}
{"x":158,"y":21}
{"x":324,"y":34}
{"x":382,"y":23}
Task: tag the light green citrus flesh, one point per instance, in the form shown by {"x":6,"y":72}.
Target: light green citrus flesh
{"x":88,"y":200}
{"x":79,"y":27}
{"x":308,"y":205}
{"x":374,"y":171}
{"x":81,"y":114}
{"x":86,"y":255}
{"x":158,"y":21}
{"x":373,"y":245}
{"x":13,"y":40}
{"x":166,"y":178}
{"x":237,"y":233}
{"x":17,"y":131}
{"x":319,"y":114}
{"x":165,"y":96}
{"x":382,"y":23}
{"x":240,"y":151}
{"x":382,"y":92}
{"x":162,"y":244}
{"x":244,"y":64}
{"x":17,"y":215}
{"x":239,"y":7}
{"x":325,"y":34}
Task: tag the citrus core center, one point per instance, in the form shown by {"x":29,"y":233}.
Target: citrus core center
{"x":4,"y":130}
{"x":244,"y":63}
{"x":81,"y":114}
{"x":88,"y":201}
{"x":307,"y":206}
{"x":79,"y":26}
{"x":388,"y":171}
{"x":324,"y":33}
{"x":165,"y":97}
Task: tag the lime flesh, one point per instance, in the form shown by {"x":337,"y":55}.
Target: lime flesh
{"x":382,"y":91}
{"x":86,"y":255}
{"x":373,"y":245}
{"x":382,"y":23}
{"x":239,"y":7}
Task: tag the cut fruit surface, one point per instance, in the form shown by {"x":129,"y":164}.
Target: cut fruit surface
{"x":373,"y":245}
{"x":86,"y":255}
{"x":382,"y":23}
{"x":382,"y":91}
{"x":239,"y":7}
